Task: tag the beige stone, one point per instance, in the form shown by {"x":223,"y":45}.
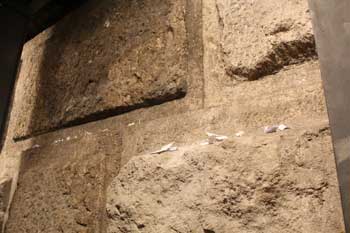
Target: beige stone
{"x":257,"y":183}
{"x":82,"y":70}
{"x":274,"y":183}
{"x":259,"y":38}
{"x":61,"y":186}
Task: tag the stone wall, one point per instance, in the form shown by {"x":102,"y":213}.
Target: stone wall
{"x":102,"y":61}
{"x":116,"y":80}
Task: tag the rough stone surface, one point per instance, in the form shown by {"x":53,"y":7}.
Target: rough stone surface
{"x":5,"y":190}
{"x":61,"y":187}
{"x":279,"y":183}
{"x":107,"y":58}
{"x":258,"y":183}
{"x":259,"y":38}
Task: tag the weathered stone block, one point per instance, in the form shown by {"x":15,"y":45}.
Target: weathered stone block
{"x":106,"y":58}
{"x":61,"y":186}
{"x":260,"y":38}
{"x":262,"y":183}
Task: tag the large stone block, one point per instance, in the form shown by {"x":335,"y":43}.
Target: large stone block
{"x":283,"y":182}
{"x":61,"y":186}
{"x":259,"y":38}
{"x":106,"y":58}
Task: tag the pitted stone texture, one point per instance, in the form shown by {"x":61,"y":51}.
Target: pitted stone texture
{"x":61,"y":186}
{"x":106,"y":58}
{"x":260,"y":37}
{"x":280,"y":183}
{"x":5,"y":192}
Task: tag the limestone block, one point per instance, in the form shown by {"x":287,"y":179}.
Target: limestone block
{"x":107,"y":58}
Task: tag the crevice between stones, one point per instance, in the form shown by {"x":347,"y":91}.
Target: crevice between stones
{"x":104,"y":114}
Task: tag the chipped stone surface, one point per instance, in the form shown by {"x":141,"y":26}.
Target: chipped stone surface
{"x":254,"y":184}
{"x":61,"y":187}
{"x":259,"y":38}
{"x":105,"y":59}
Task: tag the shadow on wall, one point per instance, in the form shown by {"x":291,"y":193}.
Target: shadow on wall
{"x":107,"y":58}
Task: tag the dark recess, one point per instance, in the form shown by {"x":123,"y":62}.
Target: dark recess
{"x":41,"y":14}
